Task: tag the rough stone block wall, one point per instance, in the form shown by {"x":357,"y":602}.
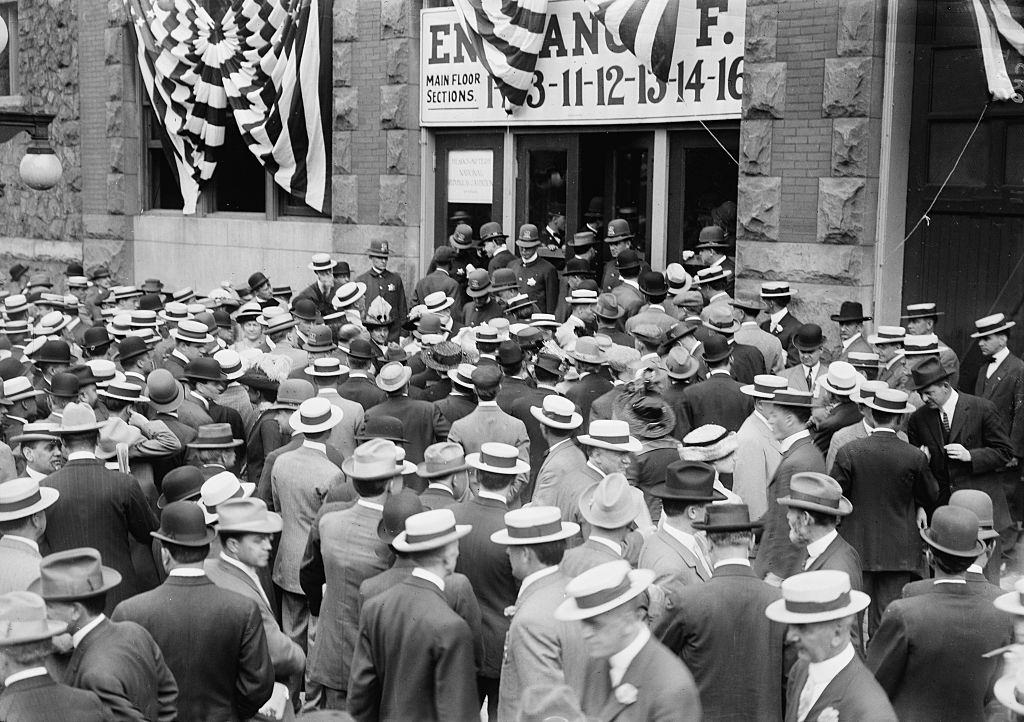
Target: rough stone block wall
{"x":809,"y":150}
{"x":376,"y":192}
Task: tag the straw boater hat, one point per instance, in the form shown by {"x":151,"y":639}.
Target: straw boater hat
{"x":927,"y":309}
{"x":322,"y":262}
{"x":708,"y":443}
{"x":534,"y":525}
{"x":315,"y":415}
{"x":611,"y":503}
{"x":610,"y":434}
{"x":557,"y":412}
{"x":326,"y":368}
{"x":463,"y":376}
{"x":765,"y":386}
{"x":73,"y":574}
{"x":498,"y":458}
{"x":866,"y":390}
{"x":602,"y":589}
{"x":818,"y":596}
{"x":925,"y":344}
{"x":430,"y":530}
{"x":841,"y":378}
{"x":23,"y":619}
{"x":996,"y":323}
{"x":20,"y":498}
{"x":816,"y":492}
{"x":887,"y":334}
{"x":890,"y":401}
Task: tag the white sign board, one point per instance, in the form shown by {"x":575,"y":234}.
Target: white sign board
{"x":583,"y":76}
{"x":470,"y":176}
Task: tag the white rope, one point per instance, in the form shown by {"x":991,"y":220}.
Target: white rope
{"x":731,"y":157}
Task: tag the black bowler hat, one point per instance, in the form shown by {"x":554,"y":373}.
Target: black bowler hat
{"x":129,"y":348}
{"x":382,"y":427}
{"x":509,"y":353}
{"x":64,"y":385}
{"x":341,"y":268}
{"x":257,"y":280}
{"x":183,"y":483}
{"x":18,"y":270}
{"x":653,"y":283}
{"x":688,"y":481}
{"x":725,"y":518}
{"x":849,"y":312}
{"x":808,"y":337}
{"x":150,"y":302}
{"x":183,"y":523}
{"x":717,"y":348}
{"x":627,"y":259}
{"x":204,"y":369}
{"x":305,"y":309}
{"x":96,"y":336}
{"x":54,"y":352}
{"x":576,"y":267}
{"x":75,"y":269}
{"x":361,"y":348}
{"x":928,"y":372}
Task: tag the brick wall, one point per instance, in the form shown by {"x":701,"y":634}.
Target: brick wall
{"x":809,"y":147}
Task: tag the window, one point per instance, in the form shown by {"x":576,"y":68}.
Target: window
{"x":9,"y":57}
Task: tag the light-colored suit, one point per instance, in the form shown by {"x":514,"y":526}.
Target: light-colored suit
{"x":343,"y":436}
{"x":19,"y":565}
{"x":236,"y":397}
{"x":768,"y":344}
{"x":487,"y":423}
{"x":653,"y":315}
{"x":675,"y":567}
{"x":586,"y":556}
{"x":797,"y":377}
{"x":538,"y":648}
{"x":566,"y":475}
{"x":757,"y":458}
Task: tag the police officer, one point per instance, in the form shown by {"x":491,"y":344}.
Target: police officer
{"x":537,"y":278}
{"x":385,"y":284}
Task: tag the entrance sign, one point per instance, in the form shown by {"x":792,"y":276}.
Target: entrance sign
{"x":470,"y":176}
{"x":583,"y":76}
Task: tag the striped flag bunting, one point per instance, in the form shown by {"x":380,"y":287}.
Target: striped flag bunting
{"x":259,"y":67}
{"x":999,"y":24}
{"x":508,"y":35}
{"x":647,"y":27}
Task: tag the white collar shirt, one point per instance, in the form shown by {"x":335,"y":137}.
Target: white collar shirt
{"x":690,"y":542}
{"x":738,"y":561}
{"x":370,"y":505}
{"x":484,"y":494}
{"x":619,"y":662}
{"x":78,"y":636}
{"x":776,"y":320}
{"x":25,"y":674}
{"x":186,"y":572}
{"x":950,"y":406}
{"x":249,"y":572}
{"x":441,"y":487}
{"x":76,"y":455}
{"x":817,"y":547}
{"x":429,"y":576}
{"x":614,"y":546}
{"x":997,"y":358}
{"x":787,"y":443}
{"x":33,"y":474}
{"x":848,"y":342}
{"x":821,"y":674}
{"x":316,"y":445}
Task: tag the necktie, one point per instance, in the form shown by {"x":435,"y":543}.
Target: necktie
{"x":806,"y":700}
{"x":945,"y":421}
{"x":810,"y":381}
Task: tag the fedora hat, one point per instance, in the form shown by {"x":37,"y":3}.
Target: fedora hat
{"x":23,"y":619}
{"x":221,"y":487}
{"x":996,"y":323}
{"x":608,"y":307}
{"x":442,"y":459}
{"x":611,"y":434}
{"x":691,"y":481}
{"x":808,"y":337}
{"x":617,"y":231}
{"x":528,"y":236}
{"x":749,"y":302}
{"x":679,"y":281}
{"x":866,"y":390}
{"x":498,"y":458}
{"x":841,"y":378}
{"x":711,"y":274}
{"x":315,"y":416}
{"x":588,"y":351}
{"x":36,"y":431}
{"x":582,"y":239}
{"x":73,"y":574}
{"x":954,"y":530}
{"x":850,"y":312}
{"x":20,"y":498}
{"x":78,"y":419}
{"x":393,"y":376}
{"x":372,"y":460}
{"x":627,"y":259}
{"x":711,"y":238}
{"x":214,"y":436}
{"x":720,"y":318}
{"x":382,"y":427}
{"x":818,"y":596}
{"x":611,"y":503}
{"x":928,"y":372}
{"x":927,"y":309}
{"x":64,"y":385}
{"x":247,"y":516}
{"x":255,"y":282}
{"x":182,"y":483}
{"x":478,"y":283}
{"x":534,"y":525}
{"x":463,"y":376}
{"x":717,"y":348}
{"x":18,"y":270}
{"x":887,"y":334}
{"x":816,"y":492}
{"x":680,"y":364}
{"x":765,"y":386}
{"x":601,"y":589}
{"x":430,"y":530}
{"x":981,"y":504}
{"x":397,"y":508}
{"x":191,"y":331}
{"x":491,"y":231}
{"x":275,"y":324}
{"x":123,"y":391}
{"x":708,"y":443}
{"x":326,"y":368}
{"x":558,"y":412}
{"x":184,"y":523}
{"x":722,"y":518}
{"x":165,"y":393}
{"x":653,"y":283}
{"x":891,"y":401}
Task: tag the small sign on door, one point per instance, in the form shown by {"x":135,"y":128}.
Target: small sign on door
{"x":470,"y":176}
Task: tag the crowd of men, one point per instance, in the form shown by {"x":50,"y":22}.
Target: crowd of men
{"x":603,"y":492}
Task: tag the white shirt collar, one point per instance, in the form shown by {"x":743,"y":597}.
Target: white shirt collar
{"x":949,"y":581}
{"x":777,"y":317}
{"x":186,"y":572}
{"x":591,"y":465}
{"x":739,"y":561}
{"x":487,"y":403}
{"x":315,"y":445}
{"x":762,"y":418}
{"x":619,"y":662}
{"x":536,"y":576}
{"x":817,"y":547}
{"x":813,"y":370}
{"x":429,"y":576}
{"x":821,"y":674}
{"x":749,"y":323}
{"x":78,"y":636}
{"x":976,"y":568}
{"x":847,"y":342}
{"x":484,"y":494}
{"x":441,"y":487}
{"x":532,"y":260}
{"x":33,"y":474}
{"x":249,"y":572}
{"x":25,"y":674}
{"x":867,"y":427}
{"x":881,"y":430}
{"x":555,"y":446}
{"x":31,"y":543}
{"x":614,"y":546}
{"x":635,"y":283}
{"x":997,"y":358}
{"x":787,"y":443}
{"x":950,"y":406}
{"x":689,"y":541}
{"x":370,"y":504}
{"x":75,"y":455}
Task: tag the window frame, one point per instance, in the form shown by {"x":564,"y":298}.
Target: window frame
{"x":13,"y":51}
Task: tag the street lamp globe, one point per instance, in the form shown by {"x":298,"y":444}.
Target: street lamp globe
{"x":40,"y":168}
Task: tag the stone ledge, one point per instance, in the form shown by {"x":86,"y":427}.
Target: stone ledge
{"x":804,"y":263}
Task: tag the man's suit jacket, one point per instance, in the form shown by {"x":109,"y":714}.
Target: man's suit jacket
{"x":842,"y":437}
{"x":586,"y":556}
{"x":859,"y":345}
{"x":287,"y":657}
{"x":193,"y":415}
{"x":838,"y":555}
{"x":186,"y":435}
{"x":977,"y":583}
{"x":299,"y":482}
{"x":1005,"y":389}
{"x":886,"y":480}
{"x":927,"y":653}
{"x":539,"y":281}
{"x":757,"y":458}
{"x":747,"y":362}
{"x":853,"y":694}
{"x":676,"y":568}
{"x":776,"y":554}
{"x":19,"y":565}
{"x":540,"y":649}
{"x":846,"y":413}
{"x":361,"y":390}
{"x":897,"y":375}
{"x":629,"y":298}
{"x":263,"y":488}
{"x":455,"y":406}
{"x":665,"y":690}
{"x":788,"y":327}
{"x":474,"y":315}
{"x":977,"y":426}
{"x":490,"y":423}
{"x":733,"y":650}
{"x":797,"y":376}
{"x":125,"y":667}
{"x":413,"y":659}
{"x":436,"y":280}
{"x":237,"y":398}
{"x":343,"y":436}
{"x":512,"y":388}
{"x":422,"y":422}
{"x":213,"y":642}
{"x":489,"y":571}
{"x":716,"y":400}
{"x":583,"y":392}
{"x":768,"y":344}
{"x":315,"y":294}
{"x":610,"y":277}
{"x":101,"y":509}
{"x":650,"y":315}
{"x":563,"y":477}
{"x":520,"y":409}
{"x":41,"y":698}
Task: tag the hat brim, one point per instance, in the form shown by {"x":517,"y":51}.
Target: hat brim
{"x":639,"y":581}
{"x":198,"y":341}
{"x":423,"y":472}
{"x":1009,"y":602}
{"x":749,"y":306}
{"x":311,"y":371}
{"x":448,"y":303}
{"x":689,"y":370}
{"x":83,"y":429}
{"x":932,"y":380}
{"x":53,"y":628}
{"x":569,"y":529}
{"x":722,"y":528}
{"x":192,"y":495}
{"x":845,"y":507}
{"x":397,"y":383}
{"x":661,"y":491}
{"x":221,"y":445}
{"x":833,"y":390}
{"x":732,"y":329}
{"x":598,"y":360}
{"x":777,"y":612}
{"x":347,"y":466}
{"x":402,"y":545}
{"x":849,"y":319}
{"x":207,"y":538}
{"x":908,"y":409}
{"x":721,"y":449}
{"x":923,"y":314}
{"x":808,"y":348}
{"x":172,"y":405}
{"x":545,"y":323}
{"x":614,"y":519}
{"x":619,"y":313}
{"x":110,"y":579}
{"x":977,"y":549}
{"x":131,"y":399}
{"x":21,"y":438}
{"x":575,"y":421}
{"x":48,"y":497}
{"x":633,"y":446}
{"x":711,"y":245}
{"x":473,"y":460}
{"x":527,"y":243}
{"x":1005,"y":327}
{"x":330,"y":423}
{"x":479,"y":292}
{"x":751,"y":390}
{"x":322,"y":267}
{"x":619,"y":239}
{"x":272,"y":524}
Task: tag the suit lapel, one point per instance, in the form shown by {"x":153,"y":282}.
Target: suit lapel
{"x":239,"y":574}
{"x":636,"y":674}
{"x":686,"y":555}
{"x":960,"y":416}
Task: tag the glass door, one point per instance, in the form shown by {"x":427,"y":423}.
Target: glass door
{"x":467,"y":182}
{"x":547,"y":173}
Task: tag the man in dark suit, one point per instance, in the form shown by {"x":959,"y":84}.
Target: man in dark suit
{"x":537,"y":278}
{"x":205,"y":381}
{"x":547,"y":372}
{"x":838,"y":410}
{"x":892,"y":489}
{"x":592,"y":383}
{"x":439,"y":279}
{"x":964,"y":438}
{"x":929,"y":653}
{"x":422,"y":421}
{"x":851,"y":318}
{"x":460,"y":402}
{"x":717,"y":399}
{"x":97,"y":508}
{"x":790,"y":416}
{"x":746,"y":361}
{"x":720,"y":631}
{"x":781,"y":323}
{"x":828,"y":681}
{"x":29,"y":692}
{"x":1001,"y":381}
{"x":212,"y":639}
{"x":359,"y":387}
{"x":630,"y":675}
{"x":414,"y":655}
{"x":321,"y":291}
{"x":808,"y":345}
{"x":120,"y":662}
